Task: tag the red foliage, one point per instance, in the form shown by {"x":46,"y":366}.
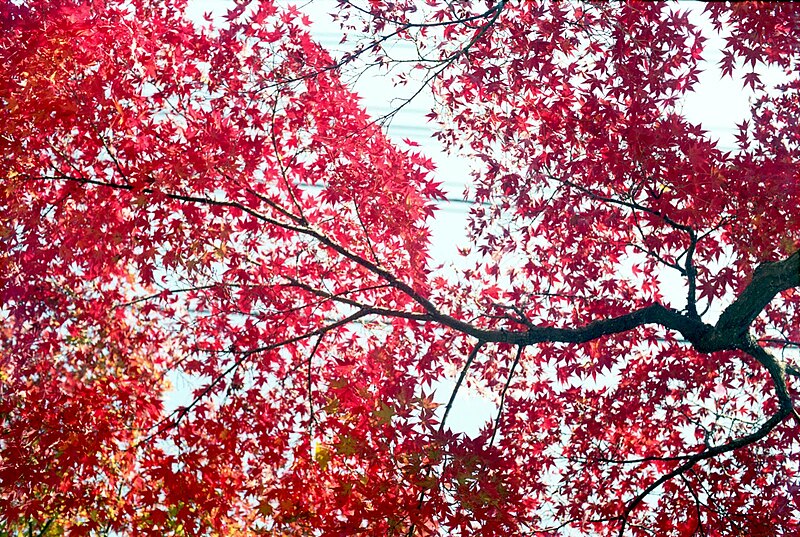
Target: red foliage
{"x":219,"y":314}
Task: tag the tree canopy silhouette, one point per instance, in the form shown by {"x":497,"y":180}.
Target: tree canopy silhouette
{"x":209,"y":205}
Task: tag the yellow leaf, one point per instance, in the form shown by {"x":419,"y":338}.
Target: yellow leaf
{"x":322,"y":455}
{"x":384,"y":414}
{"x":346,"y":446}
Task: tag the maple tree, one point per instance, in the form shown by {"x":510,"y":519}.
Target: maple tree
{"x":211,"y":202}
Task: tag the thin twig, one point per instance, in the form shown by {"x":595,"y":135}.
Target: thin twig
{"x":503,"y":395}
{"x":460,"y":381}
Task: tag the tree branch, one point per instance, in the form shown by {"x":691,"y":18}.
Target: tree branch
{"x":776,"y":372}
{"x":178,"y":414}
{"x":751,"y":438}
{"x":503,"y":395}
{"x":769,"y":279}
{"x":460,"y":381}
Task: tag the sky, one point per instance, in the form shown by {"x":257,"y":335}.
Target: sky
{"x":718,"y":105}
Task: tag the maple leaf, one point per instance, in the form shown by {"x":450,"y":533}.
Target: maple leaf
{"x":752,"y":79}
{"x":221,"y":315}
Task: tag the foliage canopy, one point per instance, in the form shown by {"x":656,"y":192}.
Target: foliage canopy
{"x":187,"y":201}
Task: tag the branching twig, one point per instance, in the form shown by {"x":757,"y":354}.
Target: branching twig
{"x":172,"y":419}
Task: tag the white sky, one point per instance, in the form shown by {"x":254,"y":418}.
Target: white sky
{"x":718,"y":104}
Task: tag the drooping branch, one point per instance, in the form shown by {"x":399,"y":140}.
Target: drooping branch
{"x":777,"y":372}
{"x":738,"y":443}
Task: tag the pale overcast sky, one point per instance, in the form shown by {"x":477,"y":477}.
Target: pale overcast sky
{"x":718,"y":105}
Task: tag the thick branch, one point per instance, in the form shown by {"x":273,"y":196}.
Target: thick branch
{"x":769,"y":279}
{"x":653,"y":314}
